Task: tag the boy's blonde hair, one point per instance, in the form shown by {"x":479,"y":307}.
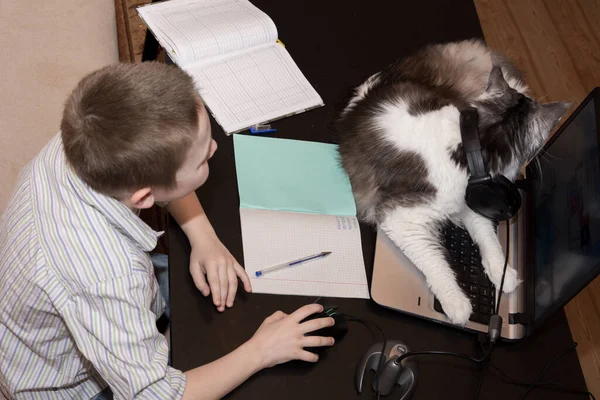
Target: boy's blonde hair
{"x":129,"y":126}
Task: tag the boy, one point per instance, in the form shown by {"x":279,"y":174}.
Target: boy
{"x":79,"y":297}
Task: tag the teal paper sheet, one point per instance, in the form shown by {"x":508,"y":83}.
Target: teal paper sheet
{"x":291,"y":175}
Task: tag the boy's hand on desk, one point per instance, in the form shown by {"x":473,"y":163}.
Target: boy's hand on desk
{"x":211,"y":258}
{"x":280,"y":338}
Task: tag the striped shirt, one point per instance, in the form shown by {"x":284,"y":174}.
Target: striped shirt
{"x":78,"y":295}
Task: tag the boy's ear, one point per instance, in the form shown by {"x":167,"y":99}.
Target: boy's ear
{"x":142,"y":198}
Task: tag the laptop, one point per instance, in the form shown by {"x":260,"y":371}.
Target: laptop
{"x":554,"y":240}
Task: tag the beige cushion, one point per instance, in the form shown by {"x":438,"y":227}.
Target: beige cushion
{"x":46,"y":47}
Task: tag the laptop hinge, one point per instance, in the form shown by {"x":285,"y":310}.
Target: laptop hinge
{"x":518,"y":318}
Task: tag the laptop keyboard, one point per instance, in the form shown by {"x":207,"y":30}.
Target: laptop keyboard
{"x":464,"y":258}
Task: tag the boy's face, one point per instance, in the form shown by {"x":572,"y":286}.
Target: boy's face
{"x":194,"y":171}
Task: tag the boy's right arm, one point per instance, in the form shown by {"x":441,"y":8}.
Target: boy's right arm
{"x":279,"y":339}
{"x":115,"y":330}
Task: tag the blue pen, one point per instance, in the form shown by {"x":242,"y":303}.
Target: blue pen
{"x":293,"y":263}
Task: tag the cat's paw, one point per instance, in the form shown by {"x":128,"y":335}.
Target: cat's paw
{"x":511,"y":279}
{"x":456,"y":306}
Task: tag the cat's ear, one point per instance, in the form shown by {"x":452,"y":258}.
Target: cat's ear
{"x":551,"y":113}
{"x":496,"y":82}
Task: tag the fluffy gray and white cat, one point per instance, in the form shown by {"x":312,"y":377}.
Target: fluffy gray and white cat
{"x":400,"y":143}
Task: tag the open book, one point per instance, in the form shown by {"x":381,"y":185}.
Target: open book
{"x":295,"y":201}
{"x":243,"y":73}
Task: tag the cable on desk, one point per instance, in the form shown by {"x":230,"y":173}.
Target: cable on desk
{"x":482,"y":338}
{"x":560,"y":386}
{"x":548,"y":366}
{"x":486,"y":354}
{"x":350,"y":318}
{"x":495,"y":325}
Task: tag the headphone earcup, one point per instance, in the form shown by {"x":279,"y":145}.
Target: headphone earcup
{"x":496,"y":198}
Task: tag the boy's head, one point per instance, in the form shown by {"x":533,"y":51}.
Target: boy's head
{"x":138,"y":132}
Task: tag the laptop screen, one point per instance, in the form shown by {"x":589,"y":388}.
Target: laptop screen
{"x":566,"y":212}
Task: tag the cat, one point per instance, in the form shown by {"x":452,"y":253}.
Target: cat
{"x":400,"y":143}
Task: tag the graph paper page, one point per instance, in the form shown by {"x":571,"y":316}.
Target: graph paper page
{"x":196,"y":30}
{"x":275,"y":237}
{"x":254,"y":87}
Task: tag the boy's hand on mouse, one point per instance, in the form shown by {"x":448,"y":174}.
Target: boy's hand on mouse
{"x":280,"y":338}
{"x":211,"y":258}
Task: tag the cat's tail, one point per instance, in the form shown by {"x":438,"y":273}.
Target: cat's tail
{"x":346,"y":102}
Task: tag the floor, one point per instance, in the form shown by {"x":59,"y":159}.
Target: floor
{"x":556,"y":43}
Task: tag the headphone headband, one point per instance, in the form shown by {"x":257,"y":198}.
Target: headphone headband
{"x":469,"y":133}
{"x":495,"y":198}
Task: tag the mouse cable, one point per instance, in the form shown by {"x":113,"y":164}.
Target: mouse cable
{"x":539,"y":383}
{"x":494,"y":329}
{"x":558,"y":385}
{"x":481,"y":375}
{"x":550,"y":385}
{"x":546,"y":368}
{"x":366,"y":323}
{"x":493,"y":334}
{"x":530,"y":386}
{"x":491,"y":328}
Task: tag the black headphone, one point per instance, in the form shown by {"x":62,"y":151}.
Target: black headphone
{"x":495,"y":197}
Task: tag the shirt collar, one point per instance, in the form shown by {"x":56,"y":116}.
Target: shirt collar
{"x":116,"y":213}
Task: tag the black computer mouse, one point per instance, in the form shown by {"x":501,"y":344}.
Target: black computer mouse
{"x":337,"y":331}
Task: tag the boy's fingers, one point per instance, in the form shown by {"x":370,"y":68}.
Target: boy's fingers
{"x":232,"y":289}
{"x":307,"y":356}
{"x":223,"y":283}
{"x":307,"y":310}
{"x":317,"y":341}
{"x":200,"y":281}
{"x":241,"y":272}
{"x":213,"y":280}
{"x":316,"y":324}
{"x":276,"y":316}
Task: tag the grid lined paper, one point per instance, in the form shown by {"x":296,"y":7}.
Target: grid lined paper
{"x":254,"y":87}
{"x":229,"y":47}
{"x":198,"y":30}
{"x":274,"y":237}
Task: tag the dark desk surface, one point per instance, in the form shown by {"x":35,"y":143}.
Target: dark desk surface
{"x":337,"y":44}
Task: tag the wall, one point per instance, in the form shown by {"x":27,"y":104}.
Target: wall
{"x":45,"y":48}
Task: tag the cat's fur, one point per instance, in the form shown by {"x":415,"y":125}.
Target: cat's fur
{"x":400,"y":143}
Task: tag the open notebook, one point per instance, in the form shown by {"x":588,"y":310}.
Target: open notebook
{"x":245,"y":76}
{"x":296,"y":200}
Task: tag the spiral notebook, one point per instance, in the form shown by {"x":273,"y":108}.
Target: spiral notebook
{"x":296,"y":200}
{"x":242,"y":71}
